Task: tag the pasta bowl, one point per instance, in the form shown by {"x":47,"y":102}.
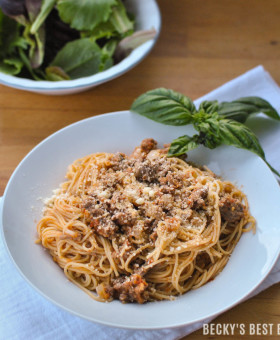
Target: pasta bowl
{"x":147,"y":17}
{"x":44,"y":168}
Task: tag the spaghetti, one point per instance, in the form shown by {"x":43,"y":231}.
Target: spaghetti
{"x":142,"y":228}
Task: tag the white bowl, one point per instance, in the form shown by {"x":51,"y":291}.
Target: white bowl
{"x":44,"y":168}
{"x":147,"y":16}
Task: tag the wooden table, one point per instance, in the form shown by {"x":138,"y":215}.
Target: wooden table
{"x":203,"y":44}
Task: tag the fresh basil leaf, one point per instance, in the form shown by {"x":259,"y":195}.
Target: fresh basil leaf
{"x":242,"y":108}
{"x":238,"y":135}
{"x":131,"y":42}
{"x":183,"y":144}
{"x":209,"y":106}
{"x":165,"y":106}
{"x":79,"y":58}
{"x":261,"y":105}
{"x":86,"y":14}
{"x":208,"y":127}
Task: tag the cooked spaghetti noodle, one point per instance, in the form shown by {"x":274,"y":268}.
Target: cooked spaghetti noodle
{"x":142,"y":228}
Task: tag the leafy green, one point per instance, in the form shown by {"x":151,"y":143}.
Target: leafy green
{"x":102,"y":30}
{"x":44,"y":10}
{"x":209,"y":129}
{"x":36,"y":36}
{"x":10,"y":40}
{"x":211,"y":120}
{"x":240,"y":136}
{"x":86,"y":14}
{"x":35,"y":73}
{"x":128,"y":44}
{"x":15,"y":9}
{"x":79,"y":58}
{"x":183,"y":144}
{"x":165,"y":106}
{"x":56,"y":73}
{"x":11,"y":66}
{"x":209,"y":106}
{"x":119,"y":19}
{"x":242,"y":108}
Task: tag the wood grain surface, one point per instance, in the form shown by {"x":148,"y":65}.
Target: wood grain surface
{"x":203,"y":44}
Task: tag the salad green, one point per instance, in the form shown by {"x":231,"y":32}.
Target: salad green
{"x":65,"y":39}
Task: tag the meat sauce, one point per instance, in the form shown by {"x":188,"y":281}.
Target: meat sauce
{"x":133,"y":194}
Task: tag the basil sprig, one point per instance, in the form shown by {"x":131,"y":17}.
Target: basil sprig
{"x":216,"y":123}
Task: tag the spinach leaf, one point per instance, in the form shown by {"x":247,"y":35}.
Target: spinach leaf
{"x":165,"y":106}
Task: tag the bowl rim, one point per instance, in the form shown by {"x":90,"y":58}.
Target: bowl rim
{"x":132,"y":60}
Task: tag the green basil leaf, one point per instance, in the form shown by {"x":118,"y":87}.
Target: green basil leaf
{"x":86,"y":14}
{"x":183,"y":144}
{"x":209,"y":106}
{"x":165,"y":106}
{"x":238,"y":135}
{"x":236,"y":111}
{"x":79,"y":58}
{"x":242,"y":108}
{"x":261,"y":105}
{"x":208,"y":127}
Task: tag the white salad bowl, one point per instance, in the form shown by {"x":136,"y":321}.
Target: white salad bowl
{"x":147,"y":16}
{"x":44,"y":168}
